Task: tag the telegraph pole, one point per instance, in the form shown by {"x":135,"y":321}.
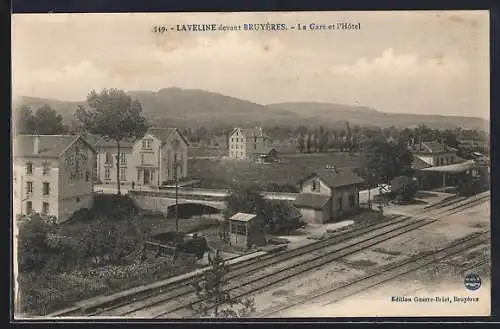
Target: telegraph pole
{"x":176,"y":196}
{"x":176,"y":148}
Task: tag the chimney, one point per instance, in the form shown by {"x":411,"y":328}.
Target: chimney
{"x":36,"y":144}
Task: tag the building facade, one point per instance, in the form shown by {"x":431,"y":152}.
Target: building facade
{"x":435,"y":164}
{"x":245,"y":143}
{"x":158,"y":158}
{"x":52,"y":175}
{"x":328,"y":194}
{"x":435,"y":154}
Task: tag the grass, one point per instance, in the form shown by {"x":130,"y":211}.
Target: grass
{"x":387,"y":252}
{"x":157,"y":224}
{"x":46,"y":293}
{"x":52,"y":288}
{"x":224,"y":173}
{"x":362,"y":263}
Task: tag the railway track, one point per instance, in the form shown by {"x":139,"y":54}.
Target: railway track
{"x":480,"y":262}
{"x":260,"y":273}
{"x":383,"y":274}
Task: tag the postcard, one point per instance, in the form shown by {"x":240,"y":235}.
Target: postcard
{"x":251,"y":165}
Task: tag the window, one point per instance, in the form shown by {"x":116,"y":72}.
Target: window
{"x":315,"y":186}
{"x":29,"y":187}
{"x":452,"y":159}
{"x":138,"y":174}
{"x":29,"y":207}
{"x":238,"y":228}
{"x":339,"y":204}
{"x":123,"y":173}
{"x":29,"y":168}
{"x":241,"y":229}
{"x":77,"y":200}
{"x":87,"y":175}
{"x":232,"y":139}
{"x":107,"y":173}
{"x":142,"y":159}
{"x":146,"y":144}
{"x":352,"y":200}
{"x":46,"y":168}
{"x":254,"y":146}
{"x":46,"y":188}
{"x":45,"y":208}
{"x":123,"y":158}
{"x":109,"y":158}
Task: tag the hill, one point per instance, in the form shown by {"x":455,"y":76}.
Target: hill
{"x":365,"y":116}
{"x":65,"y":108}
{"x":199,"y":107}
{"x":195,"y":108}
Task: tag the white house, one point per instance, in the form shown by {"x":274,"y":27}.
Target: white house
{"x":52,"y":175}
{"x":435,"y":154}
{"x":149,"y":161}
{"x":246,"y":143}
{"x":328,"y":194}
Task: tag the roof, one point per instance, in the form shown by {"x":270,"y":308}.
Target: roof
{"x":92,"y":138}
{"x":454,"y":168}
{"x":50,"y":146}
{"x":243,"y":217}
{"x":249,"y":132}
{"x":104,"y":142}
{"x":419,"y":164}
{"x":265,"y":151}
{"x":164,"y":133}
{"x":337,"y":177}
{"x":160,"y":133}
{"x":309,"y":200}
{"x":433,"y":147}
{"x":293,"y":213}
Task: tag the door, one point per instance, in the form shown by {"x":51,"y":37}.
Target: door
{"x":146,"y":176}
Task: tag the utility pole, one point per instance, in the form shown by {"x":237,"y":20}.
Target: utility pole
{"x":176,"y":196}
{"x":176,"y":148}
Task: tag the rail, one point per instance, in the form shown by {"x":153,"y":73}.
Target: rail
{"x":171,"y":301}
{"x":170,"y":294}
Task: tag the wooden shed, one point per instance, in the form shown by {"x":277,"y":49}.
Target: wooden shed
{"x":245,"y":230}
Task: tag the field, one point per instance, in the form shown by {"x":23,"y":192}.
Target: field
{"x":222,"y":173}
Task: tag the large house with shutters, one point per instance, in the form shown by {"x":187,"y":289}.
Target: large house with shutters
{"x":329,"y":194}
{"x":245,"y":143}
{"x":52,"y":175}
{"x":158,"y":158}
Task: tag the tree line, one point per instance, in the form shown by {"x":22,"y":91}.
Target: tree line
{"x":354,"y":139}
{"x":44,"y":121}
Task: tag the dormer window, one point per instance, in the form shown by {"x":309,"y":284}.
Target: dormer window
{"x":315,"y":186}
{"x":146,"y":144}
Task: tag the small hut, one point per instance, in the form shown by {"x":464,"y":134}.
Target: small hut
{"x":245,"y":230}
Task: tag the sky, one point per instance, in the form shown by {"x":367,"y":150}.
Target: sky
{"x":431,"y":62}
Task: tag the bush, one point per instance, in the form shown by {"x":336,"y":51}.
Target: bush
{"x":196,"y":246}
{"x":404,"y":188}
{"x":33,"y":246}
